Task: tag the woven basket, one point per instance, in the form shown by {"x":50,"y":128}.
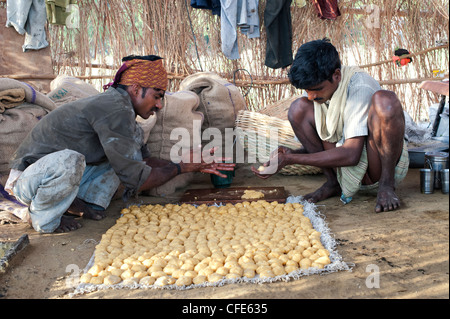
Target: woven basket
{"x":279,"y":109}
{"x":254,"y":133}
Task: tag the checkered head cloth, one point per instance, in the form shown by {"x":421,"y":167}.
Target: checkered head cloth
{"x":150,"y":74}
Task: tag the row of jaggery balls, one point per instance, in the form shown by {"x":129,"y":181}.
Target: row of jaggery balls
{"x":187,"y":244}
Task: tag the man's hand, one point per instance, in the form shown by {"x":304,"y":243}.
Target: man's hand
{"x":206,"y":162}
{"x":274,"y":165}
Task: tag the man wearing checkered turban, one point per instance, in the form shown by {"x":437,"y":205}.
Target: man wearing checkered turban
{"x":138,"y":74}
{"x":76,"y":157}
{"x":147,"y":71}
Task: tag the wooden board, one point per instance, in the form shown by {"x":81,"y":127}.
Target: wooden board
{"x":231,"y":195}
{"x":12,"y":249}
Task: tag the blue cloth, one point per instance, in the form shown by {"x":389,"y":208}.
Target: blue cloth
{"x":98,"y":185}
{"x":248,"y":19}
{"x":213,"y":5}
{"x":28,"y":17}
{"x":50,"y":185}
{"x":234,"y":14}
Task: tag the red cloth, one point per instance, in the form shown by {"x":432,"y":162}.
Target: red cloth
{"x":327,"y":9}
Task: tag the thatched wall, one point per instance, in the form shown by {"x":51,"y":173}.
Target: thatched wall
{"x":366,"y":33}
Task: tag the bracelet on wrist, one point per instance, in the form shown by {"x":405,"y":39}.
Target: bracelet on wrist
{"x":178,"y":168}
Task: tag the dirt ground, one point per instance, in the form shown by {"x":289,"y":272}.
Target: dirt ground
{"x":409,"y":246}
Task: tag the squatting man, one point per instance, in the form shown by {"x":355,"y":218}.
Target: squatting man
{"x":347,"y":126}
{"x":75,"y":158}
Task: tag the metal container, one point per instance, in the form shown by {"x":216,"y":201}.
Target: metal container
{"x":427,"y":180}
{"x":417,"y":154}
{"x":436,"y":161}
{"x":444,"y":181}
{"x":222,"y":182}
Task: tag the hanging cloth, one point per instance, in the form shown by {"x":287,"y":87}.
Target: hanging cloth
{"x":327,"y":9}
{"x":234,"y":14}
{"x":248,"y":18}
{"x":28,"y":17}
{"x":277,"y":21}
{"x":213,"y":5}
{"x":57,"y":10}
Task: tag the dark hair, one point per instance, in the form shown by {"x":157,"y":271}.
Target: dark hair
{"x":314,"y":63}
{"x":125,"y":87}
{"x":141,"y":57}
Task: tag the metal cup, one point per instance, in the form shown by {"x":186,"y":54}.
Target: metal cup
{"x":427,"y":180}
{"x":444,"y":181}
{"x":436,"y":161}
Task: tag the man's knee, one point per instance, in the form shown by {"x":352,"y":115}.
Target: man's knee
{"x":300,"y":110}
{"x":387,"y":105}
{"x":62,"y":167}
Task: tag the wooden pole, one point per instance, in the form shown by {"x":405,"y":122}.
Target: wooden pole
{"x":405,"y":56}
{"x":181,"y":77}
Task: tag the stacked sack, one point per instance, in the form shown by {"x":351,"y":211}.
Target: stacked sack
{"x":204,"y":101}
{"x":179,"y":112}
{"x":65,"y":89}
{"x":220,"y":101}
{"x":21,"y":107}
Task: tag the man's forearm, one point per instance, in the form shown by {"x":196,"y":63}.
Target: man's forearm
{"x":156,"y":162}
{"x":160,"y":175}
{"x":331,"y":158}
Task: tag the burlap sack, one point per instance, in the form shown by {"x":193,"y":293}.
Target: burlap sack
{"x":15,"y":124}
{"x":65,"y":89}
{"x":31,"y":95}
{"x":179,"y":115}
{"x":220,"y":102}
{"x":146,"y":125}
{"x":11,"y":98}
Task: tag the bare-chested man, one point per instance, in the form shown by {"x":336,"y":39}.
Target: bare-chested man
{"x":347,"y":126}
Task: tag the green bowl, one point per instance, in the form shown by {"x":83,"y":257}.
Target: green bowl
{"x":221,"y":182}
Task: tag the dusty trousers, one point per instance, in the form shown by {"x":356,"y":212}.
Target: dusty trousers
{"x":50,"y":185}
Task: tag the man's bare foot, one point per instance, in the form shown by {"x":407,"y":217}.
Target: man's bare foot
{"x":80,"y":208}
{"x":386,"y":200}
{"x":67,"y":224}
{"x":327,"y":190}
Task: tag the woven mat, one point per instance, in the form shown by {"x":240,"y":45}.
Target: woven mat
{"x":320,"y":234}
{"x":11,"y":211}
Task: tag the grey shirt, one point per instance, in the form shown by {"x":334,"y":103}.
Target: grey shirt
{"x":101,"y":127}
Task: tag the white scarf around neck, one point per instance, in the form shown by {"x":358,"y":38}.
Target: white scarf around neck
{"x":330,"y":119}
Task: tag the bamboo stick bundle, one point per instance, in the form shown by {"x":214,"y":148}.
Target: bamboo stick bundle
{"x":366,"y":34}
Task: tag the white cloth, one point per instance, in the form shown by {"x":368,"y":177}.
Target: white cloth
{"x":12,"y":178}
{"x":330,"y":118}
